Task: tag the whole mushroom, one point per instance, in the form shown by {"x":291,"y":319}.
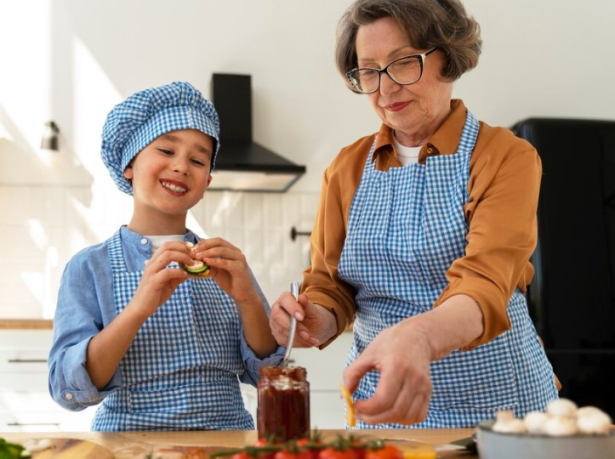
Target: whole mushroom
{"x":560,"y":426}
{"x":562,"y":408}
{"x":592,"y":420}
{"x":507,"y":423}
{"x":535,"y":422}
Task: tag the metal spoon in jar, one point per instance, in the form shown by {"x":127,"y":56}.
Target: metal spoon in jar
{"x":294,"y":289}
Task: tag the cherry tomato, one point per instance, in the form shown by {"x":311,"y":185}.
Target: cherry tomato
{"x":265,"y":448}
{"x":314,"y":446}
{"x":332,"y":453}
{"x":299,"y":454}
{"x":241,"y":455}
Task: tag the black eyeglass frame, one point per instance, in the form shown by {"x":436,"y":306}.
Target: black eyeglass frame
{"x":386,"y":70}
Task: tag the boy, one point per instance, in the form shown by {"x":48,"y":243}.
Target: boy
{"x":159,"y":350}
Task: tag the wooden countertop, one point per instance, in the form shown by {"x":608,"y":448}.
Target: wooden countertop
{"x":125,"y":445}
{"x":26,"y":324}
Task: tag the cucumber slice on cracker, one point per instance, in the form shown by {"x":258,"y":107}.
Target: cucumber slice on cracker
{"x":198,"y":267}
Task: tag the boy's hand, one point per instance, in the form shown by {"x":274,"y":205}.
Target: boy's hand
{"x":159,"y":282}
{"x":229,"y":268}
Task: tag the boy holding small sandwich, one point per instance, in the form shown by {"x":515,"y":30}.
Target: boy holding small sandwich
{"x":158,"y":347}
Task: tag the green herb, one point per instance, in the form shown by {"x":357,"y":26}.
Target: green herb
{"x":12,"y":450}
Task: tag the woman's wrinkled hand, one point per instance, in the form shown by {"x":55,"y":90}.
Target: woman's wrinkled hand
{"x":401,"y":354}
{"x":315,"y":324}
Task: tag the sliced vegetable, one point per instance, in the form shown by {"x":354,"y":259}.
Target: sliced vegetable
{"x":350,"y":413}
{"x":198,"y":267}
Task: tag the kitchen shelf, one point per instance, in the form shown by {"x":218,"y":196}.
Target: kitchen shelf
{"x":26,"y":324}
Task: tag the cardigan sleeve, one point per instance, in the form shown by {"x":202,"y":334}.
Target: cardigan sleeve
{"x":504,"y":186}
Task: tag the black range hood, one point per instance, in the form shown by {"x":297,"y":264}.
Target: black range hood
{"x":243,"y":165}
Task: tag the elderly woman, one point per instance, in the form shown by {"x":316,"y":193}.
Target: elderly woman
{"x":424,"y":234}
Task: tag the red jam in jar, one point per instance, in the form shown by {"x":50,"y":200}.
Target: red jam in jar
{"x":283,"y":411}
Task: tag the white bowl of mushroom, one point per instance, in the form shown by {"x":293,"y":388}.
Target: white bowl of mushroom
{"x":564,"y":431}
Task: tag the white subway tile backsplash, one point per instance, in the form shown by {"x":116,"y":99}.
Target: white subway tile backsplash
{"x":253,"y":220}
{"x":23,"y":290}
{"x":254,"y":246}
{"x":22,"y":310}
{"x":4,"y":245}
{"x":291,"y":212}
{"x":42,"y":228}
{"x":280,"y":277}
{"x":46,"y":204}
{"x":234,"y":211}
{"x":214,"y":217}
{"x":309,"y":205}
{"x":22,"y":245}
{"x":273,"y":211}
{"x":235,"y":237}
{"x":14,"y":205}
{"x":273,"y":248}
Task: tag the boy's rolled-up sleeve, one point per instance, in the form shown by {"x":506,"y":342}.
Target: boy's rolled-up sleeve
{"x":69,"y":382}
{"x":253,"y":364}
{"x":77,"y":320}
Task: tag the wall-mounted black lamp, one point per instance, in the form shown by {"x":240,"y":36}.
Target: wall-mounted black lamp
{"x":49,"y":140}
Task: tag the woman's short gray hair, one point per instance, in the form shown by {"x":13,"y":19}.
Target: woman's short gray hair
{"x":442,"y":24}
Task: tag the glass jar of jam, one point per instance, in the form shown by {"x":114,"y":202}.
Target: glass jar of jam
{"x":283,"y":410}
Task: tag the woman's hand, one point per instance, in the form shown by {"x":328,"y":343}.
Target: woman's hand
{"x":229,"y":268}
{"x":158,"y":281}
{"x":401,"y":354}
{"x":315,"y":324}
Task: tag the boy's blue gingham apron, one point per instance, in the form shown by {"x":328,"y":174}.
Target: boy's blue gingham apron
{"x":180,"y":372}
{"x":405,"y":228}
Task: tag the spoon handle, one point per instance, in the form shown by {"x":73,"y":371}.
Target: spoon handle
{"x":294,"y":289}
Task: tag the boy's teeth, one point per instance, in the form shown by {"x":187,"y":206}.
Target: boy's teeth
{"x":177,"y":189}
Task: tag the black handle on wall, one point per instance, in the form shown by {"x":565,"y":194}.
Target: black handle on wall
{"x":294,"y":233}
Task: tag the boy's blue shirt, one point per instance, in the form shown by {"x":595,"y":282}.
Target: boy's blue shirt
{"x":83,"y":311}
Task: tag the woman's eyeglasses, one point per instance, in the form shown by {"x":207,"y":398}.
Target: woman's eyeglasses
{"x":404,"y":70}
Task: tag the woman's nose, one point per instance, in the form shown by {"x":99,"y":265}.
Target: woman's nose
{"x":387,"y":85}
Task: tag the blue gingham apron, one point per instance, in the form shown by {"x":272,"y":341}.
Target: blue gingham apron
{"x":180,"y":372}
{"x":405,"y":228}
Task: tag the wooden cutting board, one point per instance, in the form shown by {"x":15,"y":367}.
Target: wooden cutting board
{"x":70,"y":448}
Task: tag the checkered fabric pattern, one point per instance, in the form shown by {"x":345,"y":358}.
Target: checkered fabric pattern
{"x":406,"y":227}
{"x":137,"y":121}
{"x":180,"y":372}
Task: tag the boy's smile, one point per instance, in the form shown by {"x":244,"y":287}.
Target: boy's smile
{"x":176,"y":188}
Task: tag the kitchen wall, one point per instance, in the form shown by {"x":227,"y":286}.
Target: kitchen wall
{"x":42,"y":226}
{"x":70,"y":61}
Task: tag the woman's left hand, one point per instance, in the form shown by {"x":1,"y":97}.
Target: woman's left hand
{"x":401,"y":354}
{"x":228,"y":267}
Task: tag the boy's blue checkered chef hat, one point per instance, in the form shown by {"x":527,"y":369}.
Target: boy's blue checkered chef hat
{"x":136,"y":122}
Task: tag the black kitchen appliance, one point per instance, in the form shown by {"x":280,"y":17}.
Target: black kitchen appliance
{"x":242,"y":164}
{"x":572,"y":295}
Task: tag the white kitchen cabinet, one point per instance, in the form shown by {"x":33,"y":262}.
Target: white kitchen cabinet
{"x":25,"y":403}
